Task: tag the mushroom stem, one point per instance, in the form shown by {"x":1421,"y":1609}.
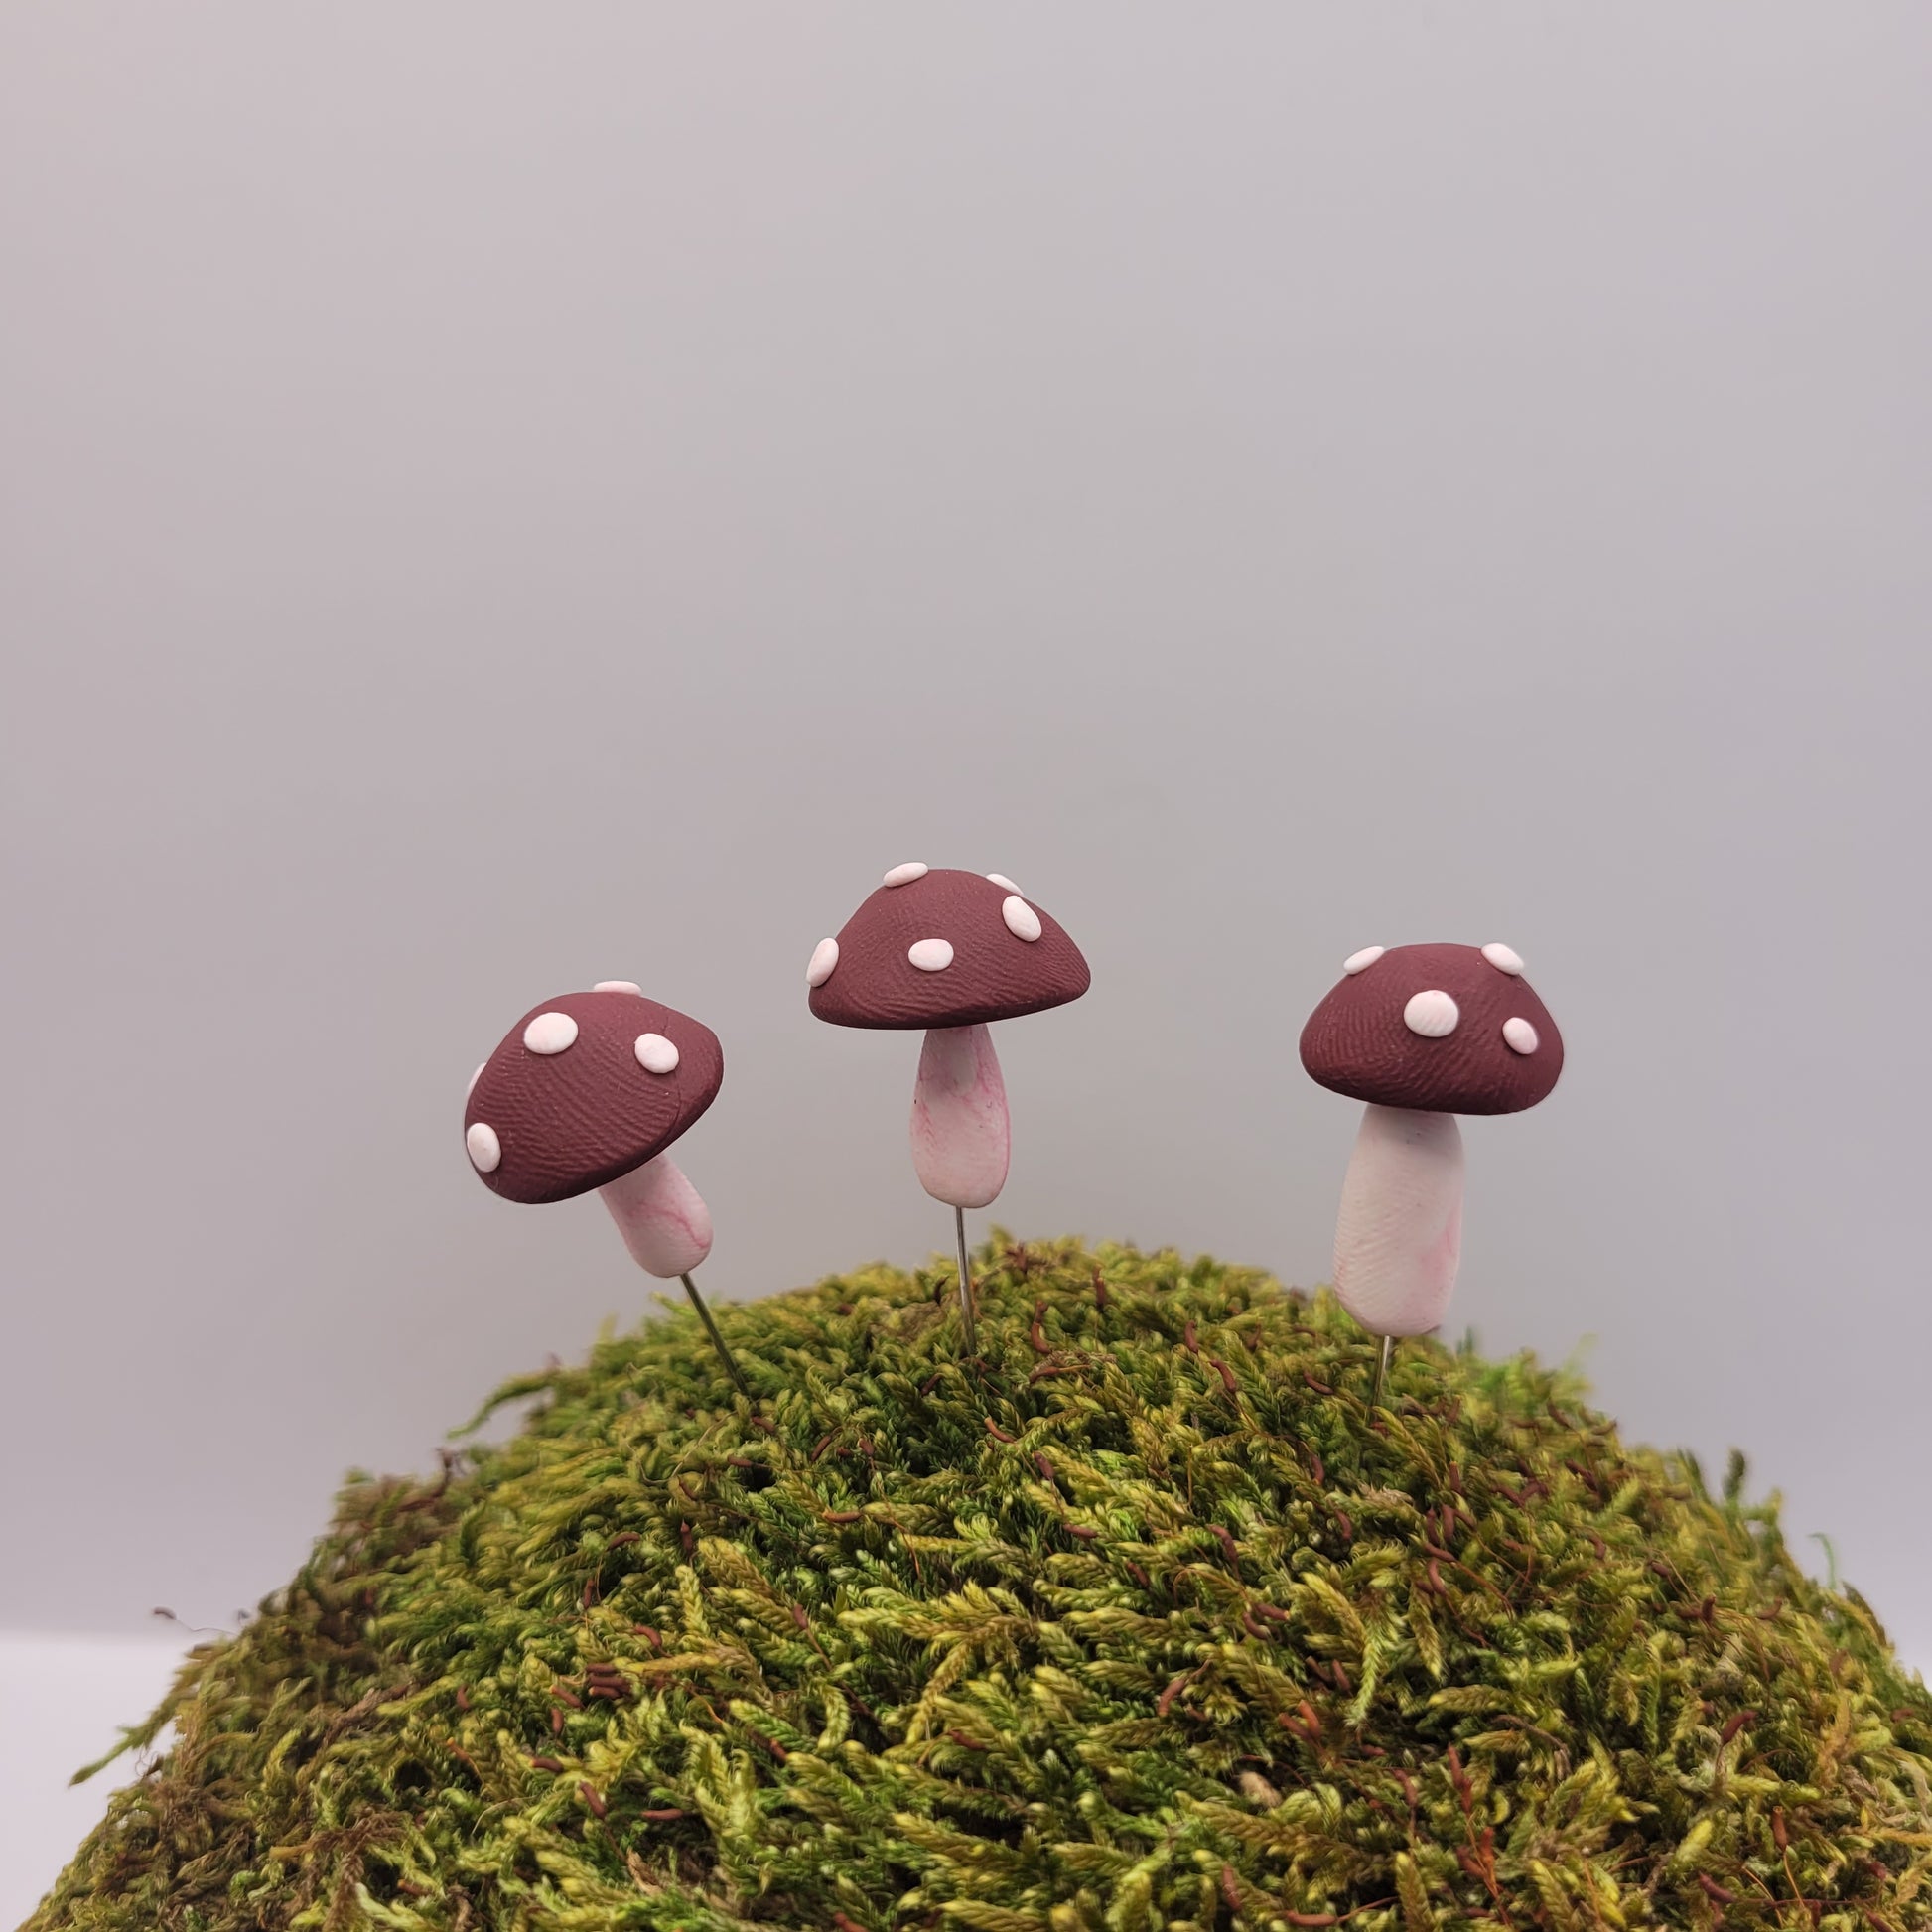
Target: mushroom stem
{"x":667,"y":1228}
{"x":1399,"y":1231}
{"x":961,"y":1135}
{"x":661,"y":1216}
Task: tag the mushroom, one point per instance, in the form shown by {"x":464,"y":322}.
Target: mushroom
{"x":1421,"y":1034}
{"x":586,"y":1091}
{"x":950,"y":952}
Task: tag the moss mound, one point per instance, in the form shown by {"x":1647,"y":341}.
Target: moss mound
{"x":1150,"y":1622}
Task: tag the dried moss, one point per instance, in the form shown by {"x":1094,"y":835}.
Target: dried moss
{"x":1150,"y":1623}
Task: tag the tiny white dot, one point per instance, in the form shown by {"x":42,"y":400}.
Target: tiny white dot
{"x":1506,"y":959}
{"x":1432,"y":1014}
{"x":1360,"y":962}
{"x":550,"y":1033}
{"x":1004,"y":884}
{"x":930,"y":955}
{"x":617,"y":986}
{"x":825,"y":956}
{"x":485,"y":1149}
{"x":1519,"y":1035}
{"x":655,"y":1053}
{"x":1022,"y":920}
{"x":905,"y":873}
{"x":474,"y":1079}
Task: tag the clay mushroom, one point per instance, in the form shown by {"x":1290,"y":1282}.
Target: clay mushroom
{"x":586,"y":1091}
{"x":949,"y":952}
{"x":1421,"y":1034}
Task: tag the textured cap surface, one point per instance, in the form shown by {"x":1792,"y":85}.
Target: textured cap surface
{"x":545,"y":1121}
{"x":1443,"y":1029}
{"x":947,"y":949}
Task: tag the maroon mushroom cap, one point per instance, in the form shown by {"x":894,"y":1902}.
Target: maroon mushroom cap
{"x":943,"y":948}
{"x":585,"y":1088}
{"x":1452,"y":1030}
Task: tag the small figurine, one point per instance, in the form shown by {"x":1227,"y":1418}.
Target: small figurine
{"x":586,"y":1091}
{"x":950,"y":952}
{"x":1421,"y":1034}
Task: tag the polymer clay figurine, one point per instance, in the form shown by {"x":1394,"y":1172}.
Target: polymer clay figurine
{"x":586,"y":1091}
{"x":949,"y":952}
{"x":1421,"y":1034}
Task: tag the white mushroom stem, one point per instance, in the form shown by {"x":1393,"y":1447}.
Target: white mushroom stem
{"x":661,"y":1216}
{"x":961,"y":1136}
{"x":1399,"y":1232}
{"x":667,"y":1228}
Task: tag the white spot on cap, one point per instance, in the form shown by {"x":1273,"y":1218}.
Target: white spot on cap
{"x":485,"y":1149}
{"x":905,"y":873}
{"x":619,"y":986}
{"x":1519,"y":1035}
{"x":655,"y":1053}
{"x":1432,"y":1014}
{"x":1004,"y":884}
{"x":1360,"y":962}
{"x":550,"y":1033}
{"x":825,"y":956}
{"x":1506,"y":959}
{"x":930,"y":955}
{"x":474,"y":1079}
{"x":1022,"y":920}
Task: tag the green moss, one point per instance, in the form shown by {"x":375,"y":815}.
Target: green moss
{"x":1154,"y":1622}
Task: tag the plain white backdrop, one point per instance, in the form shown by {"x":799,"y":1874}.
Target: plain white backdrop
{"x":497,"y":498}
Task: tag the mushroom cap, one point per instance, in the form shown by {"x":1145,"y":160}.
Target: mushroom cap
{"x":562,"y":1120}
{"x":970,"y":932}
{"x":1448,"y":1056}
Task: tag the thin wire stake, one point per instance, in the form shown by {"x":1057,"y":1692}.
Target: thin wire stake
{"x":966,"y":1284}
{"x":717,"y":1340}
{"x":1382,"y":1370}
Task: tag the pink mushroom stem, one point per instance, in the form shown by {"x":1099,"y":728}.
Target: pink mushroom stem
{"x":667,"y":1228}
{"x":961,"y":1136}
{"x":1399,"y":1231}
{"x":661,"y":1216}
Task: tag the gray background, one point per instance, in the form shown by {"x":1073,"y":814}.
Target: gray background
{"x":497,"y":497}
